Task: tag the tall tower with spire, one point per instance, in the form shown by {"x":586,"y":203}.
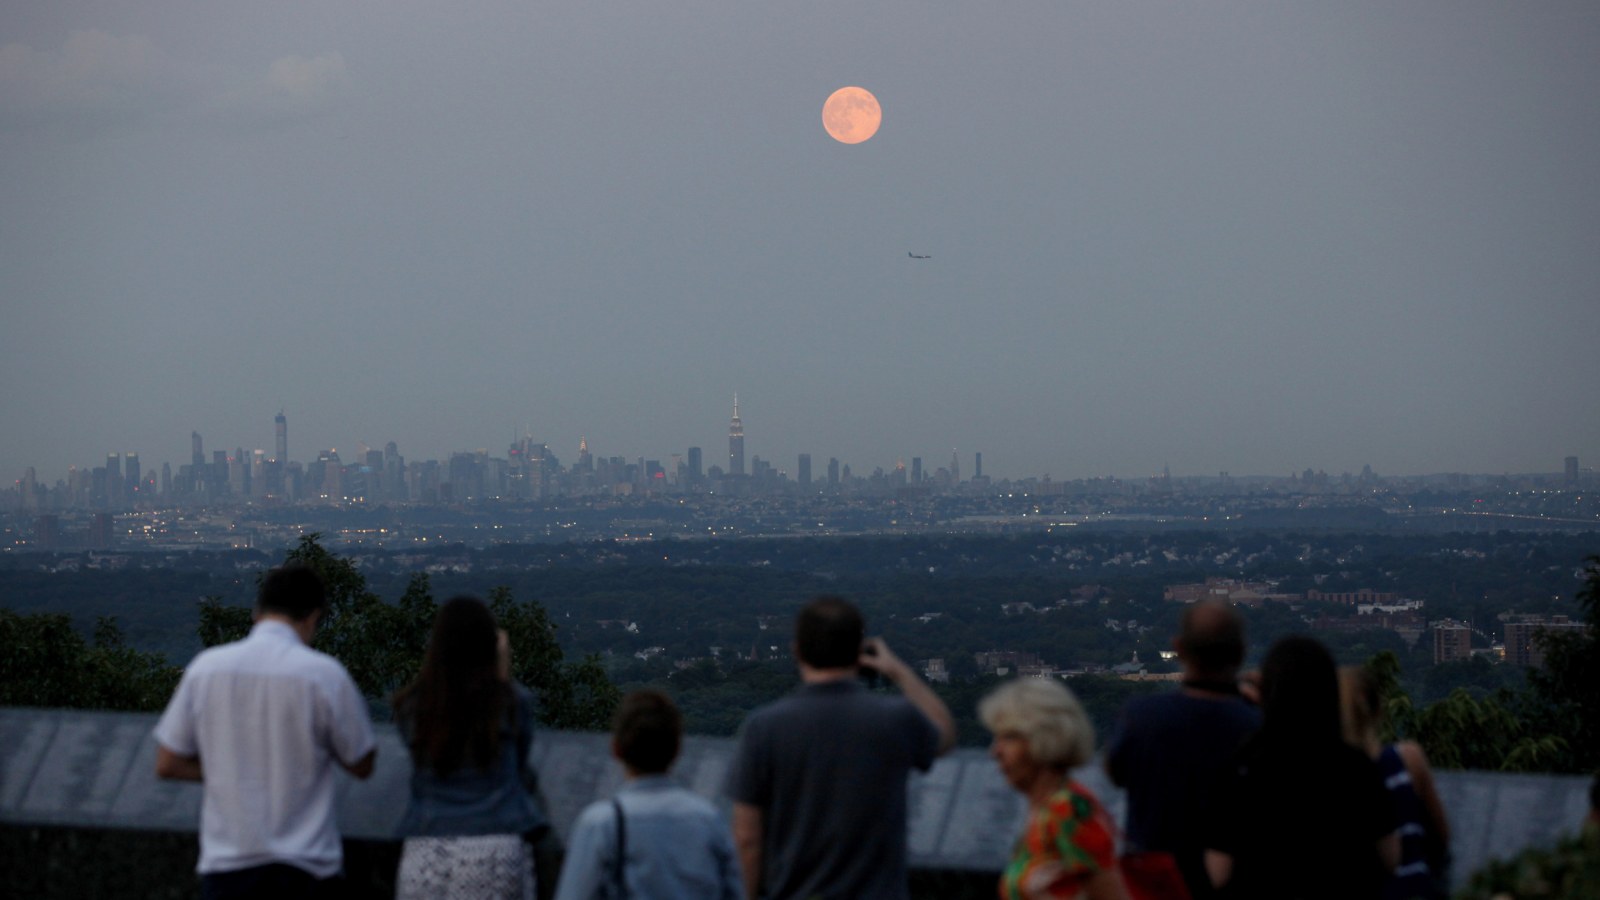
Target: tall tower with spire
{"x":735,"y":441}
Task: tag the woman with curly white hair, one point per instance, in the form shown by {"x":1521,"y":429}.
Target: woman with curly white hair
{"x":1068,"y":847}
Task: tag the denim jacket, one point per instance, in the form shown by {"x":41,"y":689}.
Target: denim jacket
{"x":471,"y":800}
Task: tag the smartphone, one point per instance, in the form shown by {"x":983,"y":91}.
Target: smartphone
{"x":872,"y":677}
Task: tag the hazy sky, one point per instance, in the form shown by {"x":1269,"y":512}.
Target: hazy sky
{"x":1244,"y":236}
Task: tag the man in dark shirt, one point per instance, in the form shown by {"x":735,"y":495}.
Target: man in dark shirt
{"x":1170,"y":749}
{"x":819,"y":782}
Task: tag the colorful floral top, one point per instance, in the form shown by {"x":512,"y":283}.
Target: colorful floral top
{"x":1062,"y":847}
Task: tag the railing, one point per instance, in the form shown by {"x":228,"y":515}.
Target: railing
{"x":96,"y":770}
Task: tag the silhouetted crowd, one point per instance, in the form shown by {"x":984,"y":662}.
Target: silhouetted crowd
{"x":1272,"y":783}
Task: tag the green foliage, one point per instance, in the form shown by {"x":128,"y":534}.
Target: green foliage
{"x":45,"y":662}
{"x":715,"y":695}
{"x":221,"y":624}
{"x":382,"y":644}
{"x":1397,"y":709}
{"x":571,"y":695}
{"x":1104,"y":696}
{"x":1552,"y":726}
{"x":1565,"y":701}
{"x":1465,"y":732}
{"x":1571,"y":869}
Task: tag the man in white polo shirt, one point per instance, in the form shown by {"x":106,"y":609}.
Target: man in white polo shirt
{"x":262,"y":723}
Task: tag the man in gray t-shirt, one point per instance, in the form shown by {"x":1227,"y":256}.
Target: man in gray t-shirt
{"x":819,"y":783}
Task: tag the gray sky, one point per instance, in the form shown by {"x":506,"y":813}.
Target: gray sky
{"x":1254,"y":237}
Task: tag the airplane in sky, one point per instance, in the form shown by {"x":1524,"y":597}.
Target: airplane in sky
{"x":915,"y":256}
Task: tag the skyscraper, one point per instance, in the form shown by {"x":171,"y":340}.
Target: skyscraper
{"x":803,"y":470}
{"x":697,"y":473}
{"x":197,"y":453}
{"x":736,"y":441}
{"x":131,"y":475}
{"x":115,"y":492}
{"x":280,"y":425}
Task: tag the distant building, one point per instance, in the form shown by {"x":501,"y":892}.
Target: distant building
{"x":100,"y":531}
{"x":803,"y":470}
{"x":1452,"y":641}
{"x":1398,"y":606}
{"x":1525,"y":638}
{"x":736,"y":441}
{"x":1131,"y":668}
{"x":130,"y":476}
{"x":1249,"y":593}
{"x":1006,"y":662}
{"x":47,"y":532}
{"x":1354,"y":598}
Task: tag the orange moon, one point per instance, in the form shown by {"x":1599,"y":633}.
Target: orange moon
{"x":851,"y":115}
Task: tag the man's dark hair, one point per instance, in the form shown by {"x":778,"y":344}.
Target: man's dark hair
{"x":828,"y":633}
{"x":647,"y":731}
{"x":1211,"y":638}
{"x":294,"y":590}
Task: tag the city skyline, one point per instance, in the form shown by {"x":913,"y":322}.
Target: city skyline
{"x":1222,"y":237}
{"x":791,"y":462}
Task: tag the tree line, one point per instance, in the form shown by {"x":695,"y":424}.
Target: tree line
{"x":1472,"y":716}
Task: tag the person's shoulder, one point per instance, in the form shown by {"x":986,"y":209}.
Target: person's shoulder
{"x":1345,"y":763}
{"x":596,"y":814}
{"x":690,"y":803}
{"x":1078,"y":794}
{"x":219,"y":657}
{"x":522,"y":698}
{"x":307,"y":655}
{"x":1242,"y":713}
{"x":1410,"y":754}
{"x":774,"y":710}
{"x":897,"y":705}
{"x":1150,"y":703}
{"x":322,"y":667}
{"x":1152,"y":711}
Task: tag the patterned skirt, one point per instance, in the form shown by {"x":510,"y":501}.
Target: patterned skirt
{"x":465,"y":867}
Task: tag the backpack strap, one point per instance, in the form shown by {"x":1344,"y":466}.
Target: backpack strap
{"x":622,"y":850}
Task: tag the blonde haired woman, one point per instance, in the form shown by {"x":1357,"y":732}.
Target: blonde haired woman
{"x":1424,"y":831}
{"x":1067,"y":848}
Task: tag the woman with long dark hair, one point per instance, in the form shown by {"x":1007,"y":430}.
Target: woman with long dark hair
{"x":468,"y":727}
{"x":1302,"y":814}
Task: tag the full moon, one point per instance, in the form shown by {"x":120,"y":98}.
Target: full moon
{"x":851,"y":115}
